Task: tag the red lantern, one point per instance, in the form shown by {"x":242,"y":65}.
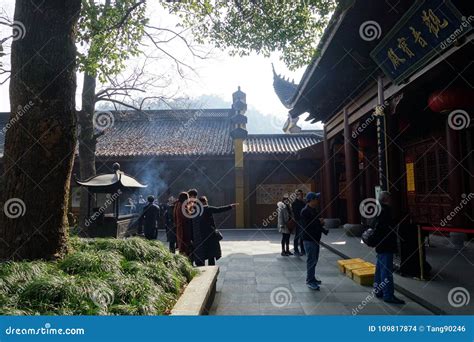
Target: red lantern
{"x":450,"y":99}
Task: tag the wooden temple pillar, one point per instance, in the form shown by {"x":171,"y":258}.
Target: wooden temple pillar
{"x":328,"y":196}
{"x":352,"y":173}
{"x":394,"y":158}
{"x":455,"y":188}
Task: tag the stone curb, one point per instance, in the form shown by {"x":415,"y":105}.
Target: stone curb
{"x":199,"y":295}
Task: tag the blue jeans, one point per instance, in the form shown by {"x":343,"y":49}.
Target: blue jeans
{"x":298,"y":241}
{"x":312,"y":253}
{"x":383,"y":281}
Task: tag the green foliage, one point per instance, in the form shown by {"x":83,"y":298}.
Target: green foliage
{"x":91,"y":262}
{"x":99,"y":277}
{"x":262,"y":26}
{"x":110,"y":32}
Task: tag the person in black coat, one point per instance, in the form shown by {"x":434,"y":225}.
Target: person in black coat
{"x":386,"y":236}
{"x":169,"y":224}
{"x":298,"y":205}
{"x":312,"y":231}
{"x":149,"y":219}
{"x":208,"y":248}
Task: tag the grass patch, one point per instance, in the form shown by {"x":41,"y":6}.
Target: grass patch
{"x":99,"y":277}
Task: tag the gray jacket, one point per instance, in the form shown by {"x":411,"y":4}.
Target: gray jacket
{"x":283,"y":218}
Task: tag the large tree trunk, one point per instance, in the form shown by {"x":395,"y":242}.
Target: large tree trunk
{"x":39,"y":146}
{"x":87,"y":140}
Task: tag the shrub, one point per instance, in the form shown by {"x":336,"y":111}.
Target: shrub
{"x":99,"y":277}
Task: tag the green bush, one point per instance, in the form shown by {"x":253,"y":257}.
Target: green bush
{"x":99,"y":277}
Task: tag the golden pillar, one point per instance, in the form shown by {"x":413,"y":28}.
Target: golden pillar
{"x":239,"y":134}
{"x":239,"y":183}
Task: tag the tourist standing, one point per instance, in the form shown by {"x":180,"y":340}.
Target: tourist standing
{"x":170,"y":225}
{"x":209,"y":248}
{"x":298,"y":205}
{"x":312,"y":230}
{"x":386,"y":236}
{"x":284,"y":216}
{"x":149,"y":219}
{"x":183,"y":225}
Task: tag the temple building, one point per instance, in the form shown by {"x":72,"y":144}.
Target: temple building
{"x":392,"y":85}
{"x":210,"y":150}
{"x":400,"y":125}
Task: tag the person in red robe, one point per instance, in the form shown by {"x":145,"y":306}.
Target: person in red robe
{"x":183,"y":225}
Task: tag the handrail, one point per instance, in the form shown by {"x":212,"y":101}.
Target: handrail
{"x":448,"y":229}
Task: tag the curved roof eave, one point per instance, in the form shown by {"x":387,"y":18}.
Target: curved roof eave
{"x":325,"y":41}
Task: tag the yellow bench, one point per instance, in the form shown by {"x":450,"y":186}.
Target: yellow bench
{"x":364,"y":276}
{"x":344,"y":262}
{"x":351,"y":267}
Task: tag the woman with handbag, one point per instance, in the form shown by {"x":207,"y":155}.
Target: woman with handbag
{"x":209,"y":247}
{"x":286,"y":224}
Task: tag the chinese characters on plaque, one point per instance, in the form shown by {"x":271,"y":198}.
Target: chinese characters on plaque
{"x":272,"y":193}
{"x":427,"y":27}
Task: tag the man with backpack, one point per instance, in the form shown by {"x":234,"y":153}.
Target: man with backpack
{"x":385,"y":240}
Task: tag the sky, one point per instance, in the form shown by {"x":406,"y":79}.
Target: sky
{"x":220,"y":74}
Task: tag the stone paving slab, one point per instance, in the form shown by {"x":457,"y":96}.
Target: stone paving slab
{"x":452,"y":268}
{"x":256,"y":280}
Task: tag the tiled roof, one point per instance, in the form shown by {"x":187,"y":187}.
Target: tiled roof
{"x":284,"y":89}
{"x":279,"y":143}
{"x":168,"y":133}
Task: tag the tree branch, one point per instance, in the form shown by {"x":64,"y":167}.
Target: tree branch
{"x":120,"y":23}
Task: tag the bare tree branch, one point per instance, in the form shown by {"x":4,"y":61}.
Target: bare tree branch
{"x":179,"y":35}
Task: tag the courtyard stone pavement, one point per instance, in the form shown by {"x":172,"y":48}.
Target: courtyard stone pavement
{"x":255,"y":280}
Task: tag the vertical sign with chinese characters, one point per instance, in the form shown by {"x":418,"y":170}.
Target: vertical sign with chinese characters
{"x":381,"y":146}
{"x":426,"y":28}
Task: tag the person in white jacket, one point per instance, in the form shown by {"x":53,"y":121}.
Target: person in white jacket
{"x":284,"y":215}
